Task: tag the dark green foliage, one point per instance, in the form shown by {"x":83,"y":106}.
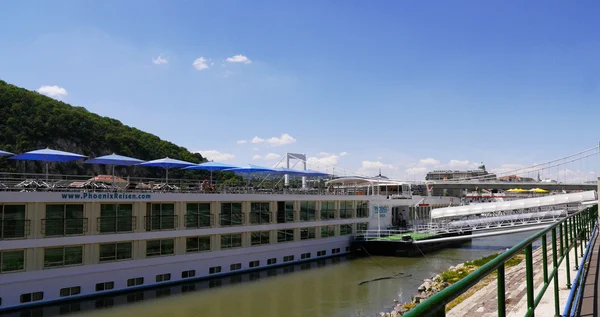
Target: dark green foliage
{"x":31,"y":121}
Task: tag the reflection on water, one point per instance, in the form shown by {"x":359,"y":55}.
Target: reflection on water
{"x":325,"y":288}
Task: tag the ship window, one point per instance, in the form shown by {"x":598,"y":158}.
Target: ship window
{"x":32,"y":297}
{"x":327,"y":210}
{"x":116,"y":218}
{"x":64,"y":220}
{"x":260,"y":237}
{"x":63,"y":256}
{"x":105,"y":286}
{"x":362,"y":226}
{"x":116,"y":251}
{"x":254,"y":263}
{"x":362,"y":209}
{"x":12,"y":261}
{"x":230,"y":241}
{"x":70,"y":291}
{"x":198,"y":215}
{"x":271,"y":261}
{"x":305,"y":256}
{"x":159,"y":247}
{"x":188,"y":274}
{"x":163,"y":277}
{"x":231,"y":214}
{"x":160,"y":217}
{"x":327,"y":231}
{"x":12,"y":222}
{"x":321,"y":253}
{"x":260,"y":213}
{"x":335,"y":251}
{"x":235,"y":267}
{"x":308,"y":211}
{"x":345,"y":229}
{"x":197,"y":244}
{"x":285,"y":235}
{"x":288,"y":258}
{"x":214,"y":270}
{"x":346,"y":209}
{"x":285,"y":211}
{"x":307,"y":233}
{"x":135,"y":281}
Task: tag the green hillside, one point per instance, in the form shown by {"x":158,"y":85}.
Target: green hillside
{"x":30,"y":121}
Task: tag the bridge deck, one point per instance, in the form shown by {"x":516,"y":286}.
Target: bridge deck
{"x":590,"y":305}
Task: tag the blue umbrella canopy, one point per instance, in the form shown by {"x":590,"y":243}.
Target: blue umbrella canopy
{"x":211,"y":166}
{"x":48,"y":155}
{"x":289,"y":171}
{"x":250,"y":168}
{"x":314,"y":173}
{"x":4,"y":153}
{"x":167,"y":163}
{"x":114,"y":159}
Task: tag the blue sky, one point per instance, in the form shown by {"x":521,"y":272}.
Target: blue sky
{"x":402,"y":85}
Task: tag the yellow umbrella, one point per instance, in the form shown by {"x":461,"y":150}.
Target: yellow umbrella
{"x":538,"y":190}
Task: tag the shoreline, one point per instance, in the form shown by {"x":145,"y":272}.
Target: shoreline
{"x":442,"y":280}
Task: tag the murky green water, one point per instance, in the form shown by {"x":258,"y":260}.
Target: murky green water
{"x":326,"y":288}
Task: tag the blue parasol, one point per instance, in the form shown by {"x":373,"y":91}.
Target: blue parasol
{"x":47,"y":155}
{"x":167,"y":163}
{"x":250,"y":168}
{"x":211,"y":166}
{"x":113,"y":160}
{"x":4,"y":153}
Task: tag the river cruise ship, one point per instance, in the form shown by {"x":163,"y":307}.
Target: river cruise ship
{"x":63,"y":239}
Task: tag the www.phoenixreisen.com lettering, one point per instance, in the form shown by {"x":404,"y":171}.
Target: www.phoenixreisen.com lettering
{"x":105,"y":196}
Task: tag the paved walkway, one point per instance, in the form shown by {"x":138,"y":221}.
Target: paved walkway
{"x":591,"y":288}
{"x":484,"y":302}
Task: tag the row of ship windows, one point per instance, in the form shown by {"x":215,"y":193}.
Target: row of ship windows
{"x":14,"y":260}
{"x":106,"y":286}
{"x":68,"y":219}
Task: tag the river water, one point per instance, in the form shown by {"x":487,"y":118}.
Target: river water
{"x":328,"y":288}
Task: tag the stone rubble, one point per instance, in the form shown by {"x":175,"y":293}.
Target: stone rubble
{"x":428,"y":288}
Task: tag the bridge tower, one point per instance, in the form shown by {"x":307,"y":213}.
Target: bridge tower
{"x":299,"y":157}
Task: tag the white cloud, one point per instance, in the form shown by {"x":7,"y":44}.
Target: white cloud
{"x":462,"y":164}
{"x":242,"y":142}
{"x":322,"y":161}
{"x":343,"y":154}
{"x":239,"y":59}
{"x":56,"y":92}
{"x":257,"y":140}
{"x":324,"y":154}
{"x":415,"y":173}
{"x":282,"y":140}
{"x":159,"y":60}
{"x":368,"y":165}
{"x":214,"y":155}
{"x":254,"y":149}
{"x":429,"y":161}
{"x":200,"y":63}
{"x":270,"y":156}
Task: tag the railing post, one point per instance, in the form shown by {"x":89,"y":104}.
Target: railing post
{"x":568,"y":251}
{"x":529,"y":276}
{"x":579,"y":234}
{"x":555,"y":277}
{"x":501,"y":292}
{"x":545,"y":258}
{"x":574,"y":238}
{"x":562,"y":236}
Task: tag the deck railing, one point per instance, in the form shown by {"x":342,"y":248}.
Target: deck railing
{"x":565,"y":235}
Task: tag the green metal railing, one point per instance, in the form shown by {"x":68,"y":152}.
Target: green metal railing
{"x":564,"y":234}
